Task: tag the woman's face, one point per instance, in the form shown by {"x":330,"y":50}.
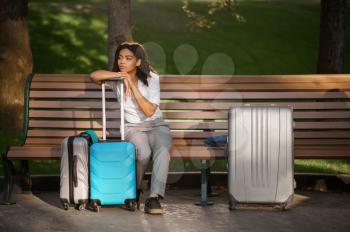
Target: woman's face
{"x":127,"y":61}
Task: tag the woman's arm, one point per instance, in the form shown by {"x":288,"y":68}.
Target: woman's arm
{"x":101,"y":75}
{"x":147,"y":107}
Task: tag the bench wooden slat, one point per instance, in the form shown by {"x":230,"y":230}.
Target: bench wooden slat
{"x":54,"y":152}
{"x":188,"y":152}
{"x":96,"y":105}
{"x":116,"y":124}
{"x":323,"y":125}
{"x":63,"y":133}
{"x":177,"y":125}
{"x":72,"y":114}
{"x":56,"y":141}
{"x":340,"y":86}
{"x":323,"y":152}
{"x":321,"y":142}
{"x":200,"y":142}
{"x":38,"y":152}
{"x":79,"y":114}
{"x":189,"y":134}
{"x":321,"y":134}
{"x":166,"y":78}
{"x":321,"y":115}
{"x":116,"y":114}
{"x":61,"y":78}
{"x":59,"y":104}
{"x":199,"y":95}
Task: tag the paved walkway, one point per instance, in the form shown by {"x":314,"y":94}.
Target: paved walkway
{"x":312,"y":211}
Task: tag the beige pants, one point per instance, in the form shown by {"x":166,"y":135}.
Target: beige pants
{"x":152,"y":139}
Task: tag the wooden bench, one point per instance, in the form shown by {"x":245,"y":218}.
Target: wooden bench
{"x":195,"y":107}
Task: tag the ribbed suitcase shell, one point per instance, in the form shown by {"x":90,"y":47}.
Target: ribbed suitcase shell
{"x":260,"y":146}
{"x":112,"y":172}
{"x":112,"y":165}
{"x":81,"y":152}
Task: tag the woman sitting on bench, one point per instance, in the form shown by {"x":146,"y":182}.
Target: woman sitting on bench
{"x":144,"y":126}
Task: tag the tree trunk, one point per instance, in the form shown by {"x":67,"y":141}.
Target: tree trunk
{"x":332,"y":37}
{"x":15,"y":62}
{"x":119,"y":26}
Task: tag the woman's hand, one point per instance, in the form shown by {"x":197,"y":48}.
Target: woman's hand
{"x":127,"y":82}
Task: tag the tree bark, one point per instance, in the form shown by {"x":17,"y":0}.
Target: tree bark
{"x":15,"y":62}
{"x":332,"y":36}
{"x":119,"y":26}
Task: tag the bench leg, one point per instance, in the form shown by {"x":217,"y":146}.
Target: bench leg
{"x":8,"y":180}
{"x":204,"y":185}
{"x":24,"y":176}
{"x":209,"y":188}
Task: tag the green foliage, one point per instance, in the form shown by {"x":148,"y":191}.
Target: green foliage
{"x":65,"y":39}
{"x":278,"y":37}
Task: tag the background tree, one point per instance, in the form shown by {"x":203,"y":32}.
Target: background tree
{"x":332,"y":36}
{"x":119,"y":26}
{"x":15,"y":62}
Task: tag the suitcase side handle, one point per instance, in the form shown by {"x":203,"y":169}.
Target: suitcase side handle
{"x":75,"y":171}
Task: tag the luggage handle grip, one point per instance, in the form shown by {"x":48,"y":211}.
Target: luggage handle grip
{"x":75,"y":171}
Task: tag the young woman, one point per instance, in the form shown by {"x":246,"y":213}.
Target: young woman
{"x":144,"y":124}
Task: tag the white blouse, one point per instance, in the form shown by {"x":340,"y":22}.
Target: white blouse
{"x":133,"y":113}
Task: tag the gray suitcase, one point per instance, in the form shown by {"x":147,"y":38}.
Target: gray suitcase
{"x":260,"y":155}
{"x":74,"y":182}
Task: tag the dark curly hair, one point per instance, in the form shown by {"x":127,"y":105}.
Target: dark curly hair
{"x":143,"y":71}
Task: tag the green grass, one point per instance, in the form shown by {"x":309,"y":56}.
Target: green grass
{"x":39,"y":167}
{"x":279,"y":37}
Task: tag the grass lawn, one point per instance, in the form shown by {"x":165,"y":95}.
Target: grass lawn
{"x":278,"y":37}
{"x":302,"y":166}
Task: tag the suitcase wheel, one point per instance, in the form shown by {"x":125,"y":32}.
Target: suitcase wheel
{"x":288,"y":204}
{"x":81,"y":207}
{"x":232,"y":203}
{"x":130,"y":205}
{"x":133,"y":206}
{"x":95,"y":207}
{"x":65,"y":203}
{"x":285,"y":206}
{"x":65,"y":206}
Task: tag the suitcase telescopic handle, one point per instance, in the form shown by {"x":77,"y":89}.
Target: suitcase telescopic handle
{"x":121,"y":110}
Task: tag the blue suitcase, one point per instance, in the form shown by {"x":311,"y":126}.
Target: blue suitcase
{"x":112,"y":169}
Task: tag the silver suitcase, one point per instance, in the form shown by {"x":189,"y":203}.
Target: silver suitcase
{"x":74,"y":182}
{"x":260,"y":155}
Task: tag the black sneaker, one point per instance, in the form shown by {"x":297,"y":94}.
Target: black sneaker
{"x":152,"y":206}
